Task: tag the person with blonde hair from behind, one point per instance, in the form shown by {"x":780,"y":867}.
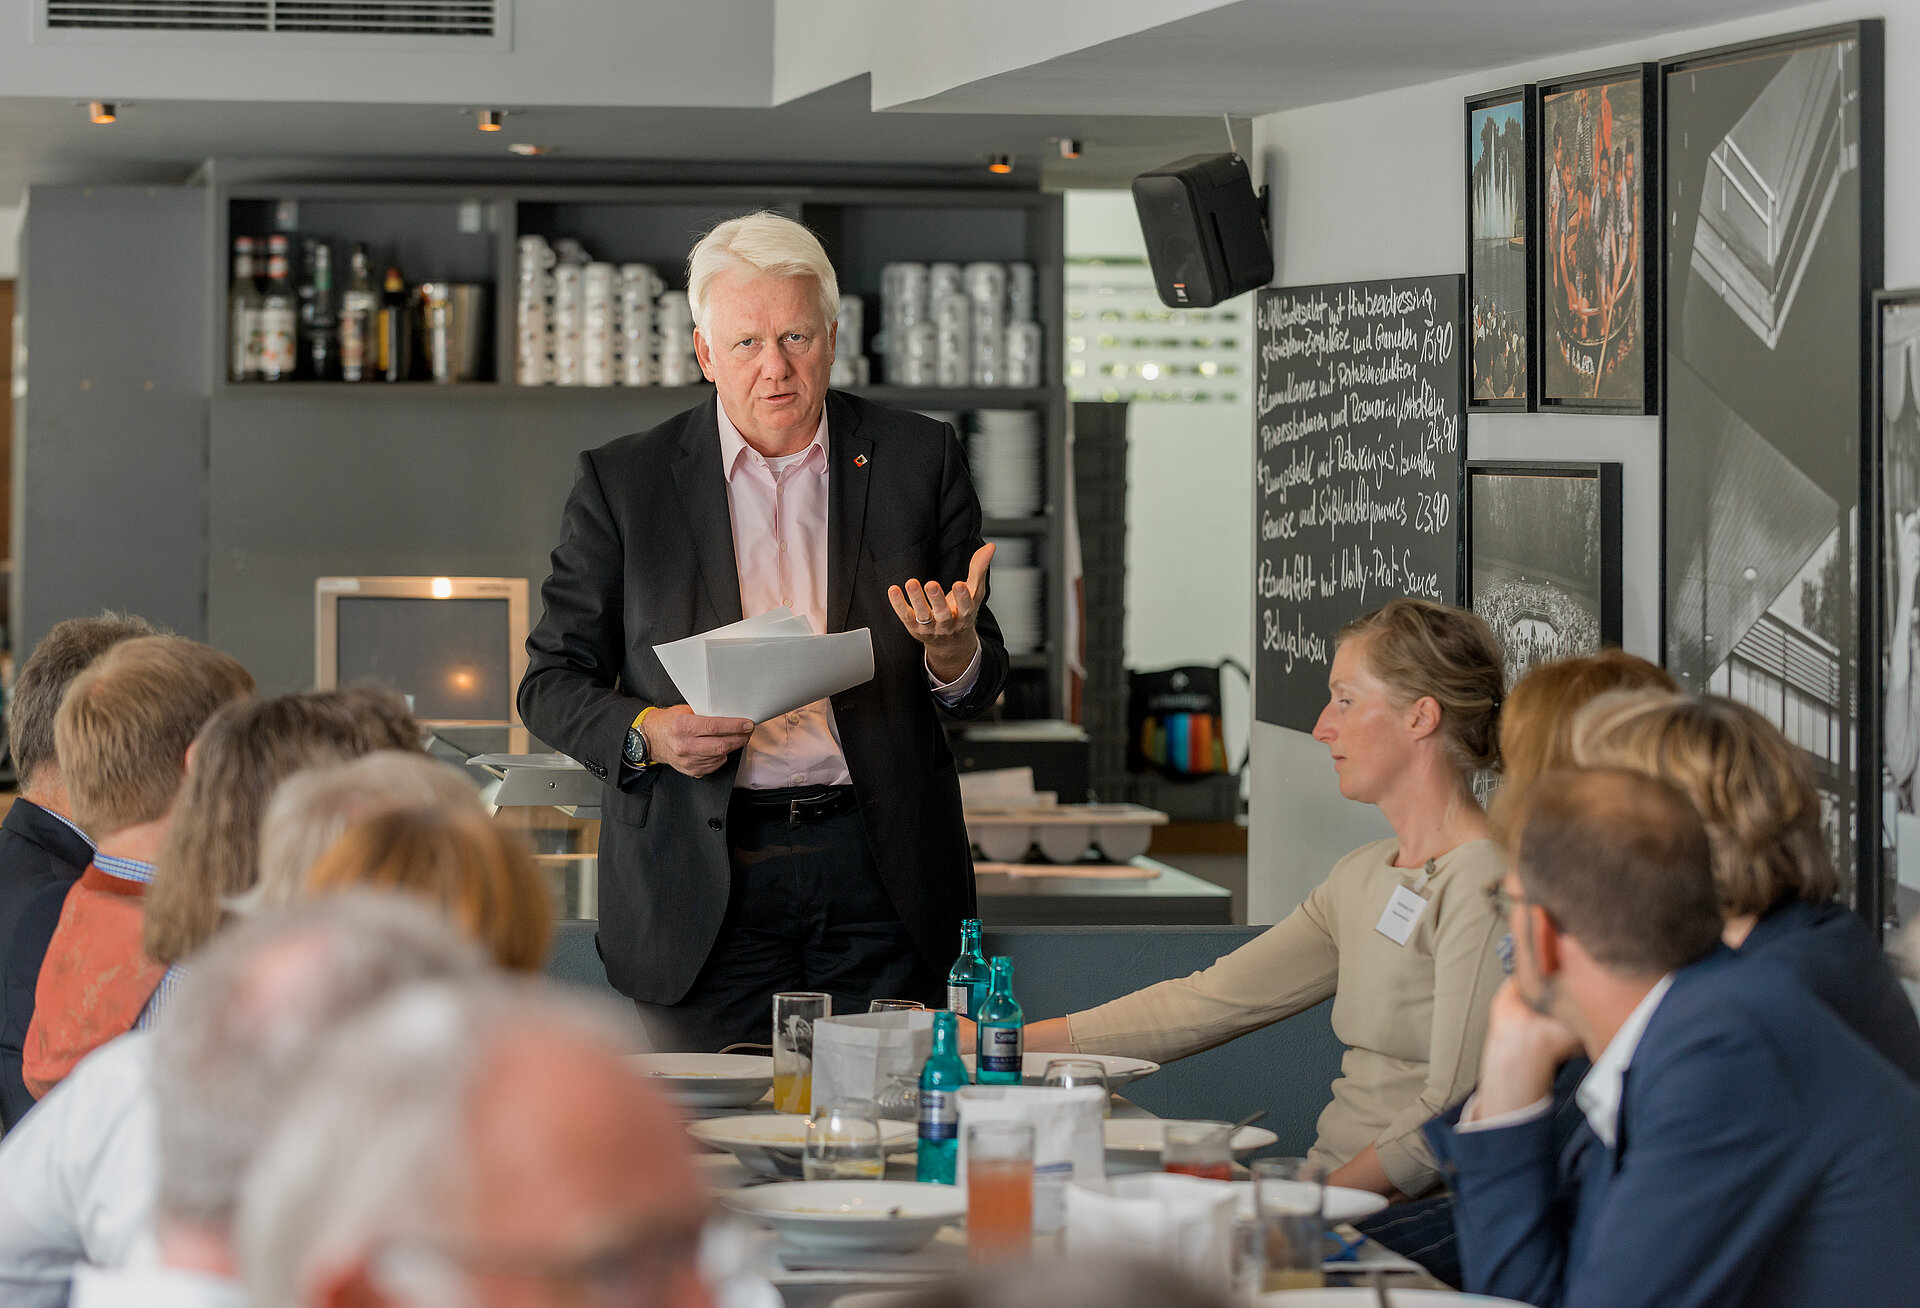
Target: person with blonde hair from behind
{"x":1536,"y":722}
{"x":1771,"y":869}
{"x":123,"y":736}
{"x":1412,"y":713}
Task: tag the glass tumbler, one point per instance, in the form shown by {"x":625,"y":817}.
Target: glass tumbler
{"x":999,"y":1190}
{"x":1070,"y":1072}
{"x":794,"y":1014}
{"x":1202,"y":1149}
{"x":844,"y":1143}
{"x":1290,"y":1196}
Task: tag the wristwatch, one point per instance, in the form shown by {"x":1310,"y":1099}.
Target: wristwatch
{"x":637,"y":752}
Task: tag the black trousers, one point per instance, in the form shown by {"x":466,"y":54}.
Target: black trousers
{"x":807,"y":912}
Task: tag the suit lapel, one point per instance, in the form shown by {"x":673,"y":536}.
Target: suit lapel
{"x":702,"y":484}
{"x":850,"y":470}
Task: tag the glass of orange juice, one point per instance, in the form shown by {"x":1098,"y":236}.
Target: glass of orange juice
{"x":999,"y":1190}
{"x":794,"y":1014}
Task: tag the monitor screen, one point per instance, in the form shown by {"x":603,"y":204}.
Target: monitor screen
{"x":453,"y":656}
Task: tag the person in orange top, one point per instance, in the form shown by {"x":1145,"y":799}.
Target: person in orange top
{"x":122,"y":738}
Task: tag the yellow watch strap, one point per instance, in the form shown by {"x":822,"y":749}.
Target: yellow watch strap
{"x":637,"y":721}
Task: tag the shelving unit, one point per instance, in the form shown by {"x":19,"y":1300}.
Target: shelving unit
{"x":470,"y":478}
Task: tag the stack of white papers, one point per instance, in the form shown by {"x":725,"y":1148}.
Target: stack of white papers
{"x":765,"y":666}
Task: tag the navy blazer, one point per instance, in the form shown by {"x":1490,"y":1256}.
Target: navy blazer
{"x":40,"y":859}
{"x":1766,"y":1156}
{"x":646,"y":557}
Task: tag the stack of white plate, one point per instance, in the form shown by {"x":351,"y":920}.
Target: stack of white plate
{"x":1015,"y":597}
{"x":1007,"y":463}
{"x":1012,"y":551}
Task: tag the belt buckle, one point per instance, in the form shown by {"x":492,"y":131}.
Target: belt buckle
{"x":793,"y":812}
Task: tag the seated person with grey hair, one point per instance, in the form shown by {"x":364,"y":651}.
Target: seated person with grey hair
{"x":477,"y":1144}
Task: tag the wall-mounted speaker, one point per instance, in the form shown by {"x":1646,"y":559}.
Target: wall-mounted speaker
{"x":1206,"y":236}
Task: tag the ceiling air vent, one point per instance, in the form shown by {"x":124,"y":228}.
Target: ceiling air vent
{"x":483,"y":19}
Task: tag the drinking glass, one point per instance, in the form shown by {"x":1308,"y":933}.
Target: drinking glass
{"x":843,"y":1143}
{"x":895,"y":1006}
{"x":794,"y":1014}
{"x":999,"y":1190}
{"x":1070,"y":1072}
{"x":1290,"y":1194}
{"x":1198,"y":1149}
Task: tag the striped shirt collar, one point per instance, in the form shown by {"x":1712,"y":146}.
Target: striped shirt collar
{"x":127,"y":869}
{"x":69,"y":824}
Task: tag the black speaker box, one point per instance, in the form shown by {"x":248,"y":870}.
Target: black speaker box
{"x":1206,"y":237}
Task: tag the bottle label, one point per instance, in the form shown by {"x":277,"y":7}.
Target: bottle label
{"x":959,"y":999}
{"x":939,"y":1115}
{"x":1000,"y":1049}
{"x":276,"y":340}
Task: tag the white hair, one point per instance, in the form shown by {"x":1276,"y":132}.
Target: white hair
{"x":253,"y":1009}
{"x":763,"y":244}
{"x":373,"y":1146}
{"x":313,"y":808}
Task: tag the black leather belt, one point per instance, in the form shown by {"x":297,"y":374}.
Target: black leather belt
{"x":799,"y":806}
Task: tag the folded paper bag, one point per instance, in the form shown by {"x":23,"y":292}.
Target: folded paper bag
{"x":1067,"y":1125}
{"x":854,"y":1057}
{"x":1184,"y":1221}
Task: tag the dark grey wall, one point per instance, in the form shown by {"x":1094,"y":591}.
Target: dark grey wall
{"x":110,"y":438}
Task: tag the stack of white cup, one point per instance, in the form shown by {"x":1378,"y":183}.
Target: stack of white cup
{"x":569,"y":324}
{"x":953,"y":344}
{"x":634,"y":343}
{"x":903,"y":304}
{"x":1025,"y":359}
{"x":597,"y":331}
{"x":533,"y":340}
{"x":987,"y":286}
{"x":674,"y":319}
{"x":1023,"y":288}
{"x":849,"y":364}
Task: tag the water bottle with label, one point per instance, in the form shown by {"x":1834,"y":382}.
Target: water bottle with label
{"x":940,"y":1081}
{"x":968,"y":979}
{"x":1001,"y":1029}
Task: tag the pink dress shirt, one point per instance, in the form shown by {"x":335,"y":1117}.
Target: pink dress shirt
{"x":779,"y":512}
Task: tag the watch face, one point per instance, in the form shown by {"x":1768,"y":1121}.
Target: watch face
{"x":636,"y":746}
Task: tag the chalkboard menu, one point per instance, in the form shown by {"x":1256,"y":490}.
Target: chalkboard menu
{"x":1358,"y":470}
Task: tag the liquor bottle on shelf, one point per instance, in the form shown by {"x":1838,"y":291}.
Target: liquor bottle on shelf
{"x":970,"y":977}
{"x":303,"y":285}
{"x":323,"y":337}
{"x":358,"y":308}
{"x":279,"y":316}
{"x":1001,"y":1029}
{"x":940,"y":1078}
{"x":392,"y":337}
{"x":243,"y":315}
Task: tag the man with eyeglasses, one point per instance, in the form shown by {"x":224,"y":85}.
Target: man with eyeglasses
{"x":476,"y":1146}
{"x":1741,"y":1146}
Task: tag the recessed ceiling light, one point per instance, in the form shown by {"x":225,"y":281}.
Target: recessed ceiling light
{"x":101,"y":111}
{"x":1069,"y":147}
{"x":490,"y":120}
{"x":1000,"y":163}
{"x":528,"y":149}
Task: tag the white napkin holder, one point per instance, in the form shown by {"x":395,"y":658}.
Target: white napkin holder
{"x":1185,"y":1222}
{"x":854,"y":1057}
{"x":1067,"y":1143}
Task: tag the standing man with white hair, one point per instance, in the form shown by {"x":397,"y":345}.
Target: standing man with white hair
{"x":824,"y":849}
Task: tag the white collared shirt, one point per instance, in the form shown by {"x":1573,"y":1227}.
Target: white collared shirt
{"x":1599,"y":1091}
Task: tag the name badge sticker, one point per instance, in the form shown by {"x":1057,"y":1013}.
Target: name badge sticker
{"x":1402,"y":913}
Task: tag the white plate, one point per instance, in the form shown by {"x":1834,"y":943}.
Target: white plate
{"x":771,"y":1143}
{"x":1137,"y":1139}
{"x":1121,"y":1070}
{"x":869,"y":1216}
{"x":1341,"y":1204}
{"x":710,"y":1080}
{"x":1360,"y":1295}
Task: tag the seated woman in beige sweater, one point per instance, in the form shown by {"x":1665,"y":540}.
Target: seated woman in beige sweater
{"x":1400,"y":936}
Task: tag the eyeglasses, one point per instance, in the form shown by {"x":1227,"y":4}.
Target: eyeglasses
{"x":632,"y":1271}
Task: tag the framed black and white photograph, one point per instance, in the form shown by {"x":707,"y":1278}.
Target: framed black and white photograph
{"x":1543,"y":558}
{"x":1771,"y":170}
{"x":1500,"y":269}
{"x":1597,"y":201}
{"x":1896,"y":550}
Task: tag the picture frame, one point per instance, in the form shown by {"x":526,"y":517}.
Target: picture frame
{"x":1503,"y":302}
{"x":1596,"y":272}
{"x":1771,"y":171}
{"x":1544,"y":557}
{"x":1890,"y":865}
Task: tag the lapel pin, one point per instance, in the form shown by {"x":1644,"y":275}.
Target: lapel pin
{"x":859,"y":460}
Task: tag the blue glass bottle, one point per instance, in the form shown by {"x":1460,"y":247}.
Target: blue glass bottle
{"x":940,"y":1079}
{"x":969,"y":978}
{"x":1002,"y":1034}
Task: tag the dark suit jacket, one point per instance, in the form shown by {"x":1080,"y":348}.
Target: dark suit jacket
{"x":1765,"y":1156}
{"x":40,"y":859}
{"x":646,"y":557}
